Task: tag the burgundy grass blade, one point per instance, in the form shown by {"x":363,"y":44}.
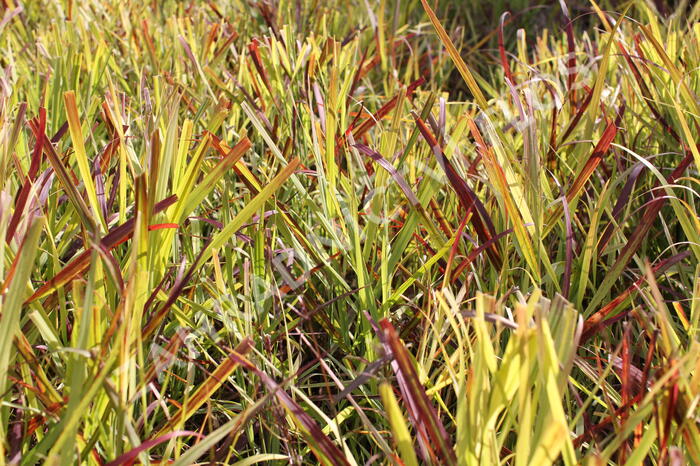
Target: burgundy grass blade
{"x":130,"y":456}
{"x":643,"y":227}
{"x":577,"y":118}
{"x":482,"y":222}
{"x":397,"y":177}
{"x":571,"y":64}
{"x":569,"y":249}
{"x":476,"y":252}
{"x":30,"y":178}
{"x":324,"y":444}
{"x":597,"y":322}
{"x":436,"y":445}
{"x":648,"y":98}
{"x":174,"y":294}
{"x":622,"y":201}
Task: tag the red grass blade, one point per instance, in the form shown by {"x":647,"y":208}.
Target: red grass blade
{"x":431,"y":433}
{"x":622,"y":200}
{"x":78,"y":265}
{"x":324,"y":444}
{"x":383,"y":111}
{"x":638,"y":235}
{"x":593,"y":161}
{"x":482,"y":222}
{"x":596,"y":321}
{"x":130,"y":456}
{"x":35,"y":163}
{"x":502,"y":51}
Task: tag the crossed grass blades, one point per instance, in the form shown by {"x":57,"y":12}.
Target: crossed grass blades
{"x":349,"y":232}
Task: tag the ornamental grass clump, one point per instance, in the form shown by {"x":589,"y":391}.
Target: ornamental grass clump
{"x":393,"y":232}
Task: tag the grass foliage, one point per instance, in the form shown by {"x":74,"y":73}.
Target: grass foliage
{"x":389,"y":232}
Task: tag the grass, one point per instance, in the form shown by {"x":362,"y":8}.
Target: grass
{"x":347,"y":233}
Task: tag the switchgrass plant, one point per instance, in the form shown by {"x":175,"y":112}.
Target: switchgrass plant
{"x":306,"y":232}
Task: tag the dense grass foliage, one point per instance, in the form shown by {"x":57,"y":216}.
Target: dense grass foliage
{"x":383,"y":231}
